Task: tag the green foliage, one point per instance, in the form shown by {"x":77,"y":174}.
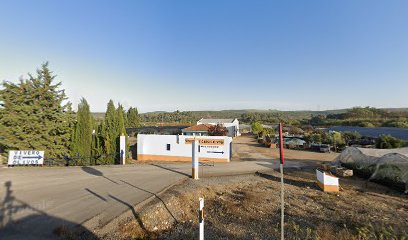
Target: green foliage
{"x":350,"y":136}
{"x":170,"y":117}
{"x":366,"y":124}
{"x":316,"y":138}
{"x":256,"y":127}
{"x":121,"y":120}
{"x":388,"y":141}
{"x":34,"y":114}
{"x":133,"y":118}
{"x":268,"y":131}
{"x":110,"y":131}
{"x":396,"y":123}
{"x":82,"y":134}
{"x":295,"y":130}
{"x":217,"y":130}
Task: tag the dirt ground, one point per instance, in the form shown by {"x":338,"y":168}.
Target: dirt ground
{"x":246,"y":148}
{"x":248,"y":206}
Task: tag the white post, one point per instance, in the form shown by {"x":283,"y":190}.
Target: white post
{"x":201,"y":218}
{"x":195,"y":159}
{"x":122,"y":149}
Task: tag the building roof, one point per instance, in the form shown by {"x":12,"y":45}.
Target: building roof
{"x":197,"y":128}
{"x":210,"y":120}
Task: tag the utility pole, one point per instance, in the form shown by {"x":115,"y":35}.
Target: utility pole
{"x":282,"y":161}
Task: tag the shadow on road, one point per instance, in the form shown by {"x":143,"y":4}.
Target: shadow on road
{"x":155,"y":195}
{"x":34,"y":223}
{"x":171,"y":170}
{"x":96,"y":195}
{"x":96,"y":172}
{"x":135,"y":214}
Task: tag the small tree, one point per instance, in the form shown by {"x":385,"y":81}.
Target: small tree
{"x":133,"y":119}
{"x":388,"y":141}
{"x":217,"y":130}
{"x":295,"y":130}
{"x":351,"y":136}
{"x":256,"y":127}
{"x":316,"y":138}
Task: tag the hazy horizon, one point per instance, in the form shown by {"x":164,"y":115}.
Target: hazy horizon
{"x":214,"y":55}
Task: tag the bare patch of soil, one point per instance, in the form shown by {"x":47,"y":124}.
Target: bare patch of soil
{"x":248,"y":207}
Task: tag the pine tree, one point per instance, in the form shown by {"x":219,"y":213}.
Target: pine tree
{"x":133,"y":119}
{"x":34,"y":115}
{"x":82,"y":139}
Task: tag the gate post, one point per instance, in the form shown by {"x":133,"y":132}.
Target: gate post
{"x":122,"y":149}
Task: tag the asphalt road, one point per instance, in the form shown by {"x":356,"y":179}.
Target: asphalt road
{"x":37,"y":203}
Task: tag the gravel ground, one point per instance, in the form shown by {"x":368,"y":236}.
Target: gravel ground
{"x":248,"y":207}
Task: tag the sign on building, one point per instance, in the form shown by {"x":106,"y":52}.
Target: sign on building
{"x":26,"y":157}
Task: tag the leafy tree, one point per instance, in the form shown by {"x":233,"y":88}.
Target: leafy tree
{"x":388,"y":141}
{"x":217,"y":130}
{"x":295,"y":130}
{"x":82,"y":137}
{"x":337,"y":140}
{"x":351,"y":136}
{"x":316,"y":138}
{"x":268,"y":131}
{"x":256,"y":127}
{"x":133,"y":119}
{"x":34,"y":115}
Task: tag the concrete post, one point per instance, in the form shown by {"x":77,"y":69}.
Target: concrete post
{"x":122,"y":150}
{"x":195,"y":159}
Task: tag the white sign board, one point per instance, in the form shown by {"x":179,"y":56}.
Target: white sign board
{"x":26,"y":157}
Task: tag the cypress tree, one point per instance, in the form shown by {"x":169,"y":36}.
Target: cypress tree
{"x":34,"y":115}
{"x":110,"y":132}
{"x":82,"y":140}
{"x":121,"y":120}
{"x":121,"y":129}
{"x":133,"y":120}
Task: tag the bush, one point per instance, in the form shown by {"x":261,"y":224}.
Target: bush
{"x":256,"y":127}
{"x":366,"y":124}
{"x":397,"y":124}
{"x":388,"y":141}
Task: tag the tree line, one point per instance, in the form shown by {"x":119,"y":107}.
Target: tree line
{"x":36,"y":114}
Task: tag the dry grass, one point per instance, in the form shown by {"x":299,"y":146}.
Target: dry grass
{"x":247,"y":207}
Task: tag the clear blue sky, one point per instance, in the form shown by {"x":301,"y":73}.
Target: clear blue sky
{"x":212,"y":55}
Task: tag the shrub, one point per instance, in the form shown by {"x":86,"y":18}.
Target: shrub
{"x":388,"y":141}
{"x":366,"y":124}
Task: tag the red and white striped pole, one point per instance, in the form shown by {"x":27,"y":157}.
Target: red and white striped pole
{"x":282,"y":161}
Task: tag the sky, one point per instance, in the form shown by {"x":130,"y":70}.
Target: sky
{"x":213,"y":55}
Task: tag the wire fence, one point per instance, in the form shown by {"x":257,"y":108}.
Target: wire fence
{"x":98,"y":159}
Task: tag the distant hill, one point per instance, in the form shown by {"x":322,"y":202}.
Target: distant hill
{"x":242,"y":114}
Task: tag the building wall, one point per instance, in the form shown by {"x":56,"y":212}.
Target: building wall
{"x":233,"y":128}
{"x":154,"y":147}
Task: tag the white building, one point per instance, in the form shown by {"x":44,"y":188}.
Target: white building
{"x":179,"y":148}
{"x":231,"y":124}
